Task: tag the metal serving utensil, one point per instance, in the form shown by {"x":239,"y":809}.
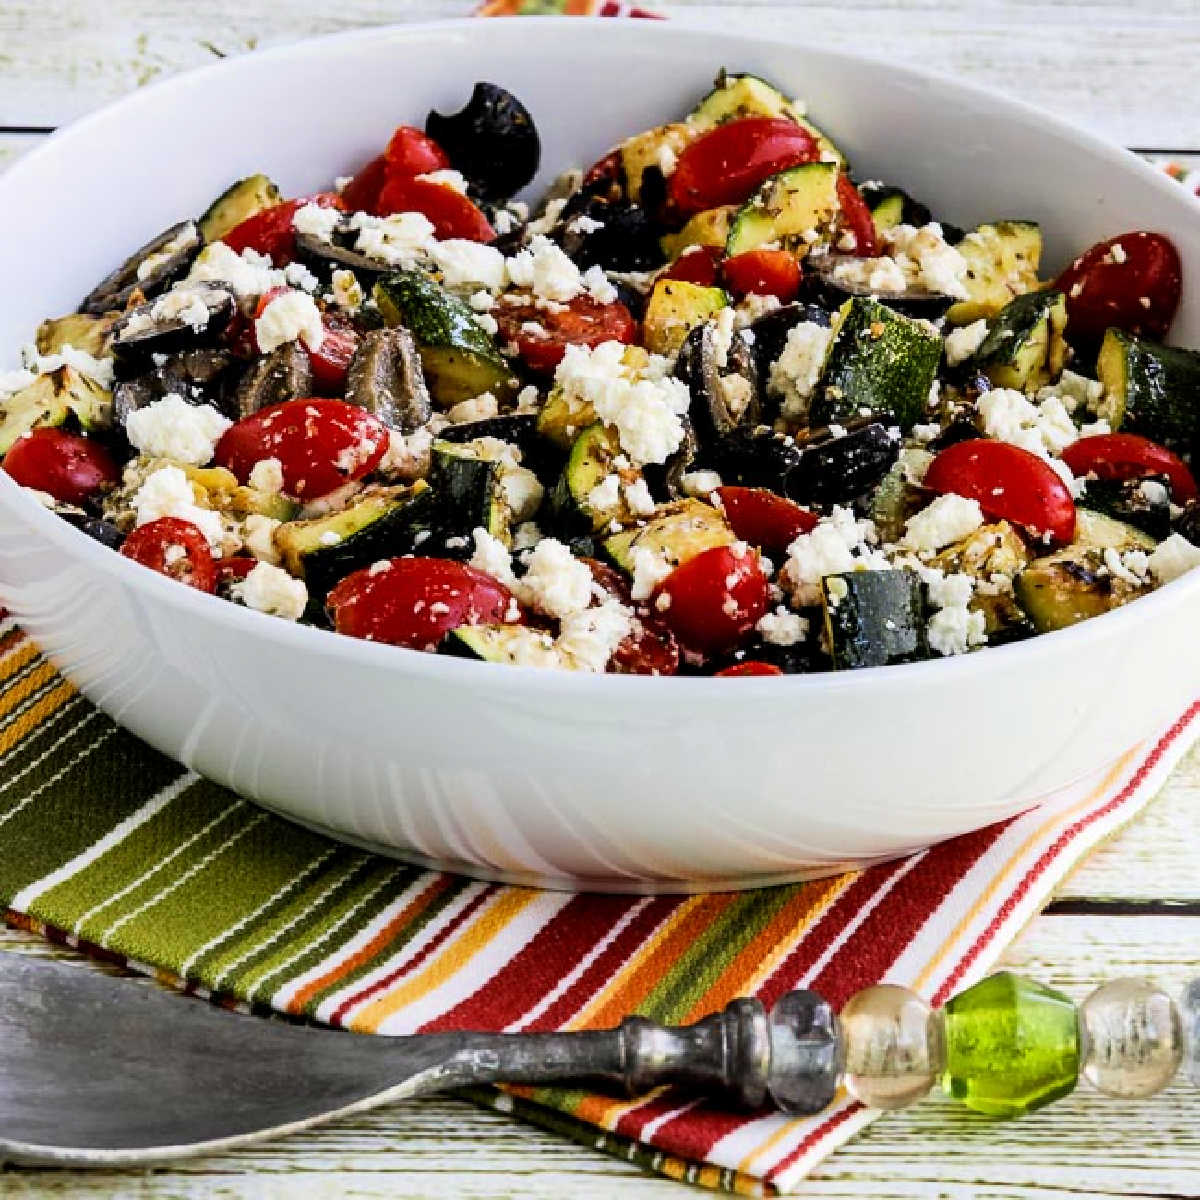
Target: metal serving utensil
{"x":96,"y":1072}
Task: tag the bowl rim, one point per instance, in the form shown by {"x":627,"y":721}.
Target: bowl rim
{"x":406,"y":663}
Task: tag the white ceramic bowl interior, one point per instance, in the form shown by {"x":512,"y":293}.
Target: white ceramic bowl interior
{"x":610,"y":783}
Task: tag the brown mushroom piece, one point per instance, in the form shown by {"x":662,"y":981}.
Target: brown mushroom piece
{"x":284,"y":374}
{"x":205,"y":376}
{"x":183,"y":319}
{"x":723,"y":382}
{"x":386,"y":378}
{"x":323,"y":257}
{"x":148,"y":270}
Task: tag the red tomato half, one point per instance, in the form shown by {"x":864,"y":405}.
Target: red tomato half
{"x":1128,"y":456}
{"x":415,"y":602}
{"x":452,"y":214}
{"x":361,"y":194}
{"x":651,"y":649}
{"x":270,"y":231}
{"x":855,"y":217}
{"x":763,"y":519}
{"x":697,"y":264}
{"x":605,"y":170}
{"x":726,"y":164}
{"x":542,"y":336}
{"x":747,"y":670}
{"x":1009,"y":483}
{"x":67,"y":467}
{"x":331,"y":359}
{"x":412,"y":152}
{"x":714,"y":600}
{"x":763,"y":273}
{"x":320,"y":444}
{"x":174,"y":548}
{"x":1131,"y":282}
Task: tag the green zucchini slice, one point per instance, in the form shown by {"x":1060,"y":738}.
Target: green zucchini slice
{"x":873,"y":618}
{"x":707,"y":228}
{"x":1143,"y":503}
{"x":1024,"y":348}
{"x":878,"y":361}
{"x":1002,"y":263}
{"x":576,"y":509}
{"x":1150,"y":389}
{"x":84,"y":331}
{"x":48,"y":400}
{"x":675,"y":308}
{"x":468,"y":480}
{"x":892,"y":206}
{"x":676,"y":535}
{"x":513,"y":645}
{"x":649,"y":149}
{"x":460,"y":360}
{"x":788,"y":209}
{"x":237,"y":202}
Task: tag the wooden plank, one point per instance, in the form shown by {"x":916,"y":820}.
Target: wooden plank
{"x":1121,"y":69}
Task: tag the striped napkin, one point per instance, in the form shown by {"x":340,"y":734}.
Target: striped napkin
{"x":110,"y":847}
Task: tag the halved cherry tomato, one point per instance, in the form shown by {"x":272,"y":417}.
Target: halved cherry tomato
{"x":415,"y":602}
{"x":67,"y":467}
{"x":1128,"y":456}
{"x":745,"y":670}
{"x":764,"y":519}
{"x":452,"y":214}
{"x":726,"y":164}
{"x":1010,"y":484}
{"x":714,"y":600}
{"x":763,"y":273}
{"x":855,"y":218}
{"x":697,"y":264}
{"x":361,"y":194}
{"x":271,"y":232}
{"x":1132,"y":282}
{"x":230,"y":571}
{"x":320,"y":444}
{"x":412,"y":152}
{"x":174,"y":548}
{"x":605,"y":170}
{"x":542,"y":336}
{"x":651,"y":649}
{"x":331,"y":359}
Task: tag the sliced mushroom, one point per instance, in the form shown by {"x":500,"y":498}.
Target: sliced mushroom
{"x":149,"y":270}
{"x":824,"y":288}
{"x":386,"y":379}
{"x":284,"y":374}
{"x":324,"y":257}
{"x":182,"y":319}
{"x":205,"y":376}
{"x":843,"y":467}
{"x":723,"y":382}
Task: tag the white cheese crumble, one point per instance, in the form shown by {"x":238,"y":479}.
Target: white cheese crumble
{"x":880,"y":275}
{"x":839,"y":543}
{"x":795,"y":372}
{"x":606,"y":494}
{"x":956,"y":629}
{"x":287,"y":318}
{"x":270,"y":589}
{"x":316,"y":221}
{"x":446,"y":177}
{"x":590,"y":636}
{"x":948,"y":519}
{"x":101,"y":370}
{"x":699,"y":484}
{"x":248,"y":273}
{"x":1043,"y":429}
{"x":478,"y":408}
{"x":169,"y":493}
{"x":467,"y":264}
{"x":783,"y":627}
{"x":650,"y":568}
{"x":173,"y":428}
{"x":523,"y":492}
{"x":545,"y":270}
{"x":267,"y":476}
{"x":555,"y":582}
{"x":1075,"y":390}
{"x":1173,"y":557}
{"x":637,"y":496}
{"x":258,"y":534}
{"x":962,"y":343}
{"x":400,"y":240}
{"x":925,"y":256}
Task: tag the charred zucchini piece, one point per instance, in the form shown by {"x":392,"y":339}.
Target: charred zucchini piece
{"x":91,"y":332}
{"x":237,"y":202}
{"x":895,"y":500}
{"x":148,"y":270}
{"x":561,"y":419}
{"x":460,"y":360}
{"x":1143,"y":503}
{"x":513,"y":645}
{"x":734,"y":96}
{"x":874,"y":618}
{"x":468,"y":481}
{"x":1002,"y":260}
{"x":707,"y":228}
{"x":723,"y":383}
{"x":1151,"y":389}
{"x":892,"y":206}
{"x":284,"y":374}
{"x":649,"y":150}
{"x":517,"y":429}
{"x":577,"y":507}
{"x":49,"y":399}
{"x":879,"y":361}
{"x":1024,"y":348}
{"x":823,"y":288}
{"x":788,"y":209}
{"x":688,"y":528}
{"x":993,"y":552}
{"x":380,"y":523}
{"x":386,"y":378}
{"x":843,"y":468}
{"x":675,"y":309}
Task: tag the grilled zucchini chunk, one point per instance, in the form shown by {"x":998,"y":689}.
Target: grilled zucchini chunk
{"x":892,"y":206}
{"x":789,"y":209}
{"x":580,"y":502}
{"x":676,"y":535}
{"x":707,"y":228}
{"x":879,"y":361}
{"x":380,"y":523}
{"x":1076,"y":583}
{"x":990,"y":555}
{"x":723,"y":383}
{"x":675,"y":309}
{"x":1151,"y":389}
{"x":91,"y":332}
{"x":512,"y":645}
{"x":646,"y":151}
{"x":1003,"y":259}
{"x":386,"y":378}
{"x":539,"y":454}
{"x":460,"y":360}
{"x":895,"y":500}
{"x":823,"y":287}
{"x":148,"y":270}
{"x":874,"y":618}
{"x":1024,"y":348}
{"x":468,"y":481}
{"x":237,"y":202}
{"x":48,"y":401}
{"x":734,"y":96}
{"x":1143,"y":503}
{"x":835,"y":469}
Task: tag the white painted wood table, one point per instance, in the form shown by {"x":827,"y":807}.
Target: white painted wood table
{"x":1128,"y":70}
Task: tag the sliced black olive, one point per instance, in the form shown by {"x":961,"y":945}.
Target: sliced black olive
{"x":961,"y":429}
{"x":665,"y":480}
{"x":150,"y":269}
{"x":284,"y":374}
{"x":386,"y":379}
{"x":798,"y":659}
{"x":178,"y":320}
{"x":324,"y":257}
{"x":844,"y":467}
{"x":823,"y":288}
{"x":758,"y":458}
{"x":618,"y":237}
{"x":769,"y":334}
{"x":492,"y":141}
{"x":538,"y":453}
{"x":724,"y":394}
{"x":205,"y":376}
{"x":105,"y":532}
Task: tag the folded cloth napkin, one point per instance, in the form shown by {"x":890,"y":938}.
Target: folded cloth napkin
{"x":112,"y":848}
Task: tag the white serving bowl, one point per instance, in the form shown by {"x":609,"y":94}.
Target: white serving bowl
{"x":607,"y":783}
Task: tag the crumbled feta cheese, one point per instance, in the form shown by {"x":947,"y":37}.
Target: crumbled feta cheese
{"x":173,"y":428}
{"x":169,"y":493}
{"x":346,"y":291}
{"x":606,"y":494}
{"x":267,"y":476}
{"x":1173,"y":557}
{"x":523,"y":492}
{"x":258,"y":534}
{"x":545,"y":270}
{"x":783,"y":627}
{"x":753,"y":306}
{"x":1043,"y":429}
{"x":270,"y":589}
{"x":650,"y":568}
{"x":528,"y":399}
{"x":248,"y":273}
{"x":700,"y":484}
{"x":666,"y":160}
{"x":1094,"y":429}
{"x":879,"y":275}
{"x":956,"y":629}
{"x":596,"y":282}
{"x":555,"y":582}
{"x":454,"y":180}
{"x":12,"y":382}
{"x":1117,"y":253}
{"x":469,"y":264}
{"x":795,"y":372}
{"x":316,"y":221}
{"x":590,"y":636}
{"x":1075,"y":390}
{"x":962,"y":343}
{"x":491,"y":557}
{"x":407,"y":458}
{"x":291,"y":316}
{"x":1154,"y":492}
{"x":526,"y":536}
{"x":926,"y":433}
{"x":948,"y":519}
{"x":839,"y":543}
{"x":487,"y":323}
{"x":584,"y":224}
{"x":481,"y":301}
{"x":925,"y":256}
{"x":948,"y":591}
{"x":401,"y":239}
{"x":297,"y":275}
{"x":101,"y":370}
{"x":637,"y":496}
{"x":478,"y":408}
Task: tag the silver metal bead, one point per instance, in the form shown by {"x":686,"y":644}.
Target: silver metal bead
{"x":1189,"y":1005}
{"x":1132,"y":1038}
{"x":895,"y":1046}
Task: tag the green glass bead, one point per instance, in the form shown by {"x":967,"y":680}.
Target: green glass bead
{"x":1012,"y":1046}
